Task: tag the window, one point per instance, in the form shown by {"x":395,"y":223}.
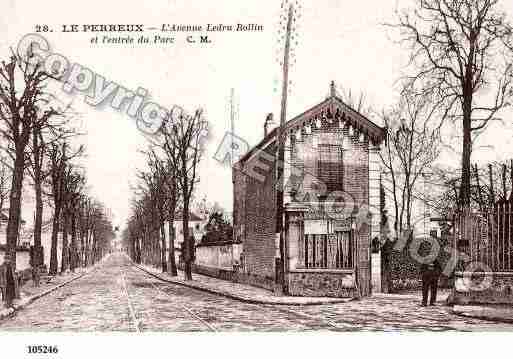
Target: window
{"x":326,"y":251}
{"x":330,"y":167}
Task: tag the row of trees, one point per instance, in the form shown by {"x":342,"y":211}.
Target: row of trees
{"x":37,"y":138}
{"x":166,"y":187}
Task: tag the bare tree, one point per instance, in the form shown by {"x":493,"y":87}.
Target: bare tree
{"x":74,"y":183}
{"x":43,"y":136}
{"x":5,"y":175}
{"x":186,"y":136}
{"x":154,"y":190}
{"x":462,"y":55}
{"x":60,"y":169}
{"x":23,"y":107}
{"x":411,"y":148}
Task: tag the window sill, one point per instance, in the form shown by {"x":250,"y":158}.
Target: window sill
{"x":322,"y":270}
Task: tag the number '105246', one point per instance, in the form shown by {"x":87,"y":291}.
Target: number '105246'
{"x":42,"y":349}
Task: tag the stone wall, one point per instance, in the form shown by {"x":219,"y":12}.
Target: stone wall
{"x":480,"y":288}
{"x":233,"y":276}
{"x":218,"y":256}
{"x":403,"y":270}
{"x":322,"y":284}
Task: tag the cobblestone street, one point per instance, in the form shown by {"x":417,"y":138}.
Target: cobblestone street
{"x":119,"y":297}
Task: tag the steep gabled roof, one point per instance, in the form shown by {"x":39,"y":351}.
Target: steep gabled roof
{"x":331,"y":109}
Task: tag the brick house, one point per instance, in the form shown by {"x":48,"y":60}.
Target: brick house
{"x":331,"y":204}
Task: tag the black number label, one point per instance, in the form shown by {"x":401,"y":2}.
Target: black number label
{"x":42,"y":28}
{"x":42,"y":349}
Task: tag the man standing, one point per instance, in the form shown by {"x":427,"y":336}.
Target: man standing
{"x":430,"y":273}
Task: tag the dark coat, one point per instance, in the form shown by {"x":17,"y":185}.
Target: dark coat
{"x":431,"y":270}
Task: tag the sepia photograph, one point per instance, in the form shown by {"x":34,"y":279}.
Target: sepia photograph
{"x":300,"y":166}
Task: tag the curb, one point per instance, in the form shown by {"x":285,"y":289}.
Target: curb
{"x":29,"y":300}
{"x":483,"y":317}
{"x":243,"y":298}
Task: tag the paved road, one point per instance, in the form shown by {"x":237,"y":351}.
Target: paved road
{"x":119,"y":297}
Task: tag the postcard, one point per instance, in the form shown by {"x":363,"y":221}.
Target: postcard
{"x":239,"y":167}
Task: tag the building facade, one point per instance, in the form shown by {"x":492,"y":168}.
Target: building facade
{"x":196,"y":229}
{"x":330,"y":211}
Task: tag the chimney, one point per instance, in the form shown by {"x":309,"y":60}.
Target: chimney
{"x":333,"y":91}
{"x":268,"y":123}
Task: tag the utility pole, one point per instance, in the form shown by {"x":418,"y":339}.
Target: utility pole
{"x":280,"y":263}
{"x":232,"y":125}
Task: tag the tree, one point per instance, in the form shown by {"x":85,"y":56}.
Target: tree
{"x":73,"y":186}
{"x":411,"y":148}
{"x":5,"y":174}
{"x":43,"y":136}
{"x":186,"y":136}
{"x":217,"y":229}
{"x":461,"y":55}
{"x":22,"y":108}
{"x":61,"y":171}
{"x":154,"y":189}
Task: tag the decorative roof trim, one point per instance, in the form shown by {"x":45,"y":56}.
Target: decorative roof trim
{"x":332,"y":106}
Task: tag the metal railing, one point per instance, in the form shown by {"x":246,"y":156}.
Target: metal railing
{"x":487,"y":236}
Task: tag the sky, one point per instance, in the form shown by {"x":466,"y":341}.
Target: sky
{"x":343,"y":41}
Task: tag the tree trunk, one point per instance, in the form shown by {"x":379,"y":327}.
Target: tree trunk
{"x":38,"y":220}
{"x":73,"y":262}
{"x":467,"y":129}
{"x":465,"y":159}
{"x":163,"y":236}
{"x":187,"y":256}
{"x":13,"y":224}
{"x":38,"y":223}
{"x":55,"y":237}
{"x":171,"y":256}
{"x":82,"y":247}
{"x":65,"y":249}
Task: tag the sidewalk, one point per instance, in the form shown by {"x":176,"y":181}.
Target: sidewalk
{"x":493,"y":313}
{"x":241,"y":292}
{"x":29,"y":293}
{"x":441,"y":297}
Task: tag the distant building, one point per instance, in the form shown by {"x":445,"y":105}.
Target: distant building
{"x":331,"y":175}
{"x":196,"y":229}
{"x":22,"y":248}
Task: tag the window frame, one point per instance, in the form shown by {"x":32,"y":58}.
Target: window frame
{"x":324,"y":173}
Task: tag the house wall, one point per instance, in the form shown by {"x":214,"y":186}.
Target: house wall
{"x":255,"y":213}
{"x":197,"y":232}
{"x":254,"y":207}
{"x":356,"y":184}
{"x":304,"y":159}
